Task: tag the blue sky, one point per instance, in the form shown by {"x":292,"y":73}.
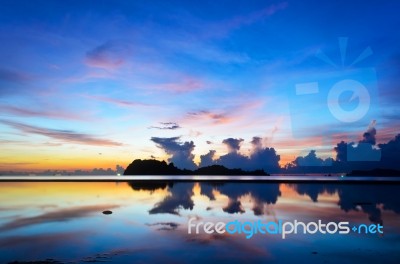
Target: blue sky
{"x":87,"y":84}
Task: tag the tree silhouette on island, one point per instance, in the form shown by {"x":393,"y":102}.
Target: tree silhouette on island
{"x":155,"y":167}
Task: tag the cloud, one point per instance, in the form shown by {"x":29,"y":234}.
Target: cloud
{"x":207,"y":159}
{"x":197,"y":38}
{"x":358,"y":156}
{"x":15,"y":82}
{"x":257,"y":143}
{"x":233,"y":160}
{"x":167,"y":125}
{"x":49,"y":113}
{"x":260,"y":157}
{"x":265,"y":158}
{"x":216,"y":118}
{"x":181,"y":153}
{"x":67,"y":136}
{"x":363,"y":151}
{"x":391,"y":153}
{"x":118,"y":102}
{"x":235,"y":110}
{"x":233,"y":144}
{"x":210,"y":30}
{"x":311,"y":159}
{"x":194,"y":133}
{"x":62,"y":215}
{"x":109,"y":55}
{"x":370,"y":135}
{"x":204,"y":52}
{"x":7,"y":75}
{"x":187,"y":84}
{"x":253,"y":17}
{"x":341,"y":151}
{"x":7,"y":164}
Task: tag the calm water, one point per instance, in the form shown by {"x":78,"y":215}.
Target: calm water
{"x":63,"y":221}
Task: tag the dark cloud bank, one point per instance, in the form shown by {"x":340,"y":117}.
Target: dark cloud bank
{"x":362,"y":155}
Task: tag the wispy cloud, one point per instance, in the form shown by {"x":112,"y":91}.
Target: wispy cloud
{"x":13,"y":82}
{"x":67,"y":136}
{"x":198,"y":37}
{"x":49,"y":113}
{"x":109,"y":55}
{"x":206,"y":52}
{"x":254,"y":17}
{"x":187,"y":84}
{"x":13,"y":76}
{"x":230,"y":111}
{"x":7,"y":164}
{"x":217,"y":118}
{"x":167,"y":125}
{"x":205,"y":29}
{"x":115,"y":101}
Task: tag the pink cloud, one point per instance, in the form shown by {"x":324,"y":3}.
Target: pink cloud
{"x":14,"y":76}
{"x":233,"y":113}
{"x":118,"y":102}
{"x":255,"y":16}
{"x":109,"y":55}
{"x":67,"y":136}
{"x":90,"y":76}
{"x":214,"y":117}
{"x":225,"y":27}
{"x":188,"y":84}
{"x":49,"y":113}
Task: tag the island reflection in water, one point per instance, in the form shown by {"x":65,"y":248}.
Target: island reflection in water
{"x":63,"y":221}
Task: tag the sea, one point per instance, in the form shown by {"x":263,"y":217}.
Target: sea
{"x":163,"y":219}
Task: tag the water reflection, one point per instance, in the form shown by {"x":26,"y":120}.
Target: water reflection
{"x":260,"y":193}
{"x":370,"y":199}
{"x":64,"y":221}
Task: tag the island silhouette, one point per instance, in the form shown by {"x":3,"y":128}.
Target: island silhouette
{"x":155,"y":167}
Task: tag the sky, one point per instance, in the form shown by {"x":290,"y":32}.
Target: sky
{"x":93,"y":84}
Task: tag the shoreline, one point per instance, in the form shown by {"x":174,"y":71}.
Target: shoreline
{"x":211,"y":178}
